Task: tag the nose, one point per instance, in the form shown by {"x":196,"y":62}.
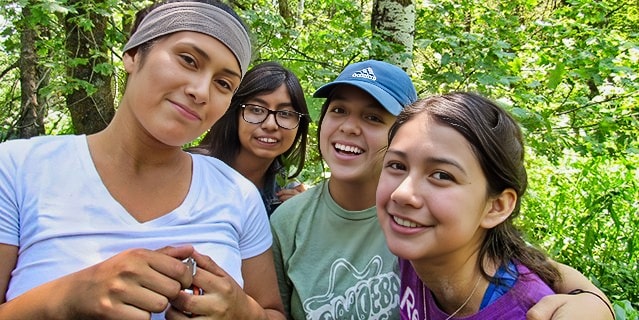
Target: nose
{"x":270,"y":122}
{"x":405,"y":194}
{"x":199,"y":90}
{"x":351,"y":125}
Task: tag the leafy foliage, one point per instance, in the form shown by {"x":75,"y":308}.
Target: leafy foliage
{"x":567,"y":70}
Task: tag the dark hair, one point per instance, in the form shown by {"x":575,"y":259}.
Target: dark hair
{"x":139,"y":16}
{"x":223,"y":142}
{"x":325,"y":105}
{"x":496,"y":140}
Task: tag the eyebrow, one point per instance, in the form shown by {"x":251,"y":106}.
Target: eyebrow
{"x":434,"y":160}
{"x":279,"y":105}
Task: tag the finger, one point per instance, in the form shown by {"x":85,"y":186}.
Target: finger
{"x":142,"y":281}
{"x":145,"y":299}
{"x":181,"y":252}
{"x":286,"y":194}
{"x":168,"y":262}
{"x":125,"y":311}
{"x":213,"y":279}
{"x":176,"y":314}
{"x":545,"y":308}
{"x":182,"y":307}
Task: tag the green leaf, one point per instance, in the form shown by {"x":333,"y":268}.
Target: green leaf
{"x":555,"y":76}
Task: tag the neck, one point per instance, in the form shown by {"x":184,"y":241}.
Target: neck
{"x":458,"y":287}
{"x":252,"y":168}
{"x":353,"y":196}
{"x":130,"y":153}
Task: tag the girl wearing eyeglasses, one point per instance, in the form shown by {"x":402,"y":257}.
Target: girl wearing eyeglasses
{"x":263,"y":134}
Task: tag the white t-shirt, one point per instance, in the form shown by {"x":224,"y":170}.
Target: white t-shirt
{"x":55,"y":208}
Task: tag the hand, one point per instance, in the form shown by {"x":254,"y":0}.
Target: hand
{"x":286,"y":194}
{"x":223,"y":298}
{"x":130,"y":285}
{"x":565,"y":307}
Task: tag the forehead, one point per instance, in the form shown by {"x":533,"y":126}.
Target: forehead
{"x":424,"y":132}
{"x":207,"y":47}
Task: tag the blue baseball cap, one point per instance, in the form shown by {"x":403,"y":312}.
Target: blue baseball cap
{"x":387,"y":83}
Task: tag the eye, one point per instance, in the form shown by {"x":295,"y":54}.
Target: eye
{"x":287,"y":114}
{"x":439,"y":175}
{"x":189,"y":60}
{"x":336,"y":109}
{"x":225,"y":84}
{"x":257,"y":110}
{"x":395,"y":165}
{"x":374,"y":118}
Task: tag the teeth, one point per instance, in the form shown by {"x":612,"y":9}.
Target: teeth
{"x":406,"y":223}
{"x":346,"y":148}
{"x":267,"y":140}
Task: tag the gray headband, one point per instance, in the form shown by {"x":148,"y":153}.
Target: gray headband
{"x":198,"y":17}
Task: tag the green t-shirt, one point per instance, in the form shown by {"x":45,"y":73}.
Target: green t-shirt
{"x":332,"y":263}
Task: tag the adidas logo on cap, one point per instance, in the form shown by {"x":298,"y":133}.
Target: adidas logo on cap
{"x":365,"y":73}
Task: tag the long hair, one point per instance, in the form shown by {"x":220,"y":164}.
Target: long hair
{"x":223,"y":141}
{"x":497,"y":142}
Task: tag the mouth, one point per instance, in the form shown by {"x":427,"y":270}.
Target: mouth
{"x":351,"y":150}
{"x":267,"y":140}
{"x":188,"y":113}
{"x":407,"y":223}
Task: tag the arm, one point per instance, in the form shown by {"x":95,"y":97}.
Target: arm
{"x":289,"y":192}
{"x":580,"y":306}
{"x":8,"y":258}
{"x":224,"y":299}
{"x":129,"y":285}
{"x":280,"y":270}
{"x":260,"y":282}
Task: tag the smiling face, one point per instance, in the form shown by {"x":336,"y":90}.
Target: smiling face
{"x":267,"y":140}
{"x":353,"y":135}
{"x":183,"y":86}
{"x":432,"y":194}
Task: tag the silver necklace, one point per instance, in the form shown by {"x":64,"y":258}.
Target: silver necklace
{"x":460,"y":307}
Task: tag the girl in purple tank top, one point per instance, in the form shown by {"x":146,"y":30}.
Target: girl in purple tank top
{"x":451,"y":185}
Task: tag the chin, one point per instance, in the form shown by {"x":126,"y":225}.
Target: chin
{"x":400,"y":250}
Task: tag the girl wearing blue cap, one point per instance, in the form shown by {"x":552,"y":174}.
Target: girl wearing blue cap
{"x":330,"y":253}
{"x":98,"y":226}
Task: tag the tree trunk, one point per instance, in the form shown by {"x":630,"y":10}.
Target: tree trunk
{"x":91,"y":110}
{"x":285,"y":9}
{"x":31,"y":121}
{"x":393,"y":21}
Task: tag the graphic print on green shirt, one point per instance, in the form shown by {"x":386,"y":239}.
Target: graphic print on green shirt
{"x":332,"y":263}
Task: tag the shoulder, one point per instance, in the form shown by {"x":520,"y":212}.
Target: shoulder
{"x":220,"y":173}
{"x":301,"y":205}
{"x":20,"y":151}
{"x":212,"y":176}
{"x":40,"y":141}
{"x":529,"y":281}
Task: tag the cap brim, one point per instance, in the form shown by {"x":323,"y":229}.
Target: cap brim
{"x":384,"y":98}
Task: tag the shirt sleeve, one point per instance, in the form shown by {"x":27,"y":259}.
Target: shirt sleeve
{"x":9,"y":215}
{"x":256,"y":236}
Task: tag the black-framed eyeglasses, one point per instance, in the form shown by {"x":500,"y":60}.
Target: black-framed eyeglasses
{"x":286,"y":119}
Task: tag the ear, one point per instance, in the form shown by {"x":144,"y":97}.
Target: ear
{"x":129,"y":60}
{"x":499,"y":208}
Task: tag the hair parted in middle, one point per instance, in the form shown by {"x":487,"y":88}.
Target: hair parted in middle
{"x":223,"y":142}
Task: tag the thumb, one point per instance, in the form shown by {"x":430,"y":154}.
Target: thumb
{"x":181,"y":252}
{"x":205,"y":262}
{"x":545,"y":308}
